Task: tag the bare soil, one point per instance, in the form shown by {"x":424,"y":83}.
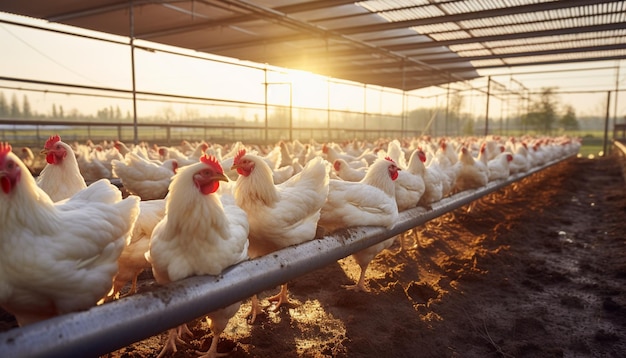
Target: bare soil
{"x":536,"y":270}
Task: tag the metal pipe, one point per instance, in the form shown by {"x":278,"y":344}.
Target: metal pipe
{"x":131,"y":16}
{"x":114,"y":325}
{"x":607,"y":115}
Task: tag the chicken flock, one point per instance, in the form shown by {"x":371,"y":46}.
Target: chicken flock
{"x":198,"y":208}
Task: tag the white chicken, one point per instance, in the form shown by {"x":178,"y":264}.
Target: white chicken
{"x":57,"y":258}
{"x":132,"y":261}
{"x":433,"y":179}
{"x":90,"y":165}
{"x":499,"y":166}
{"x":144,"y":178}
{"x":61,"y":177}
{"x":166,"y":153}
{"x":446,"y":166}
{"x":520,"y":162}
{"x":410,"y":184}
{"x":473,"y":173}
{"x":29,"y":159}
{"x":279,"y":215}
{"x":199,"y":235}
{"x":345,"y":172}
{"x":370,"y":202}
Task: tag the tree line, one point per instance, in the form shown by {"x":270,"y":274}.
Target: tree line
{"x":22,"y":109}
{"x":542,"y":115}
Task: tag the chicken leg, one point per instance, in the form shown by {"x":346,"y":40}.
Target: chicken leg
{"x":255,"y":309}
{"x":173,"y":338}
{"x":281,"y":298}
{"x":360,"y":285}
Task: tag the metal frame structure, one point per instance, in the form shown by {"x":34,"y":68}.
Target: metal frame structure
{"x":391,"y":43}
{"x":133,"y":318}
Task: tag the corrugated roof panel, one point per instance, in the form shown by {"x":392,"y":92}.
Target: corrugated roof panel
{"x":443,"y":27}
{"x":467,"y":47}
{"x":488,"y":63}
{"x":614,"y":35}
{"x":563,"y":57}
{"x":482,"y":52}
{"x":461,"y":7}
{"x":384,"y":5}
{"x":556,"y":45}
{"x":453,"y":35}
{"x":411,"y":13}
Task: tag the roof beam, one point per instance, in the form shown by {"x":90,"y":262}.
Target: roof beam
{"x":512,"y":36}
{"x":513,"y":10}
{"x":585,"y":49}
{"x":552,"y":62}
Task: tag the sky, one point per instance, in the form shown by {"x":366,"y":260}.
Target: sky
{"x":46,"y":56}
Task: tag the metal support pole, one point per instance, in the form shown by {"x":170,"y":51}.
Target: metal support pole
{"x":445,"y":123}
{"x":132,"y":61}
{"x":266,"y":110}
{"x":290,"y":112}
{"x":487,"y":107}
{"x":606,"y":124}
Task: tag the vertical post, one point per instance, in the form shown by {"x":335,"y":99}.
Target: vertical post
{"x":445,"y":122}
{"x":132,"y":61}
{"x":266,"y":111}
{"x":402,"y":114}
{"x":290,"y":112}
{"x":328,"y":106}
{"x":487,"y":106}
{"x":364,"y":109}
{"x":616,"y":96}
{"x":606,"y":124}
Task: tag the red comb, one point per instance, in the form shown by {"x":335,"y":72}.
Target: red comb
{"x":389,"y":159}
{"x":212,"y":162}
{"x":5,"y":148}
{"x":239,"y":155}
{"x":51,"y":141}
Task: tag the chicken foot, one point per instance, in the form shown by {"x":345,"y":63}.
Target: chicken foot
{"x":360,"y":285}
{"x":255,"y":309}
{"x":281,"y":298}
{"x":173,"y":338}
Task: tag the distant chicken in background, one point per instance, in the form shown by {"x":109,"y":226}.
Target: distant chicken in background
{"x":279,"y":215}
{"x":143,"y":177}
{"x":57,"y":257}
{"x":370,"y":202}
{"x":345,"y":172}
{"x":91,"y":166}
{"x":61,"y":177}
{"x":445,"y":162}
{"x":499,"y":167}
{"x":521,"y":161}
{"x":433,"y":180}
{"x":202,"y":233}
{"x":166,"y":153}
{"x":472,"y":174}
{"x":34,"y":163}
{"x":410,"y":185}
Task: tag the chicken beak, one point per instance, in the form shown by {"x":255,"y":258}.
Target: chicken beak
{"x":220,"y":176}
{"x":44,"y":151}
{"x":234,"y":166}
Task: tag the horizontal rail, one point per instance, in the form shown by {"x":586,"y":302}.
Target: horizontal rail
{"x":114,"y":325}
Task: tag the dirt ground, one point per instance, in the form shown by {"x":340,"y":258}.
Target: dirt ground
{"x":538,"y":270}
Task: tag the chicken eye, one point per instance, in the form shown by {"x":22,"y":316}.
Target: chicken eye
{"x":10,"y":164}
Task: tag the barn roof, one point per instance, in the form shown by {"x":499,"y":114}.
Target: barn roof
{"x":404,"y":44}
